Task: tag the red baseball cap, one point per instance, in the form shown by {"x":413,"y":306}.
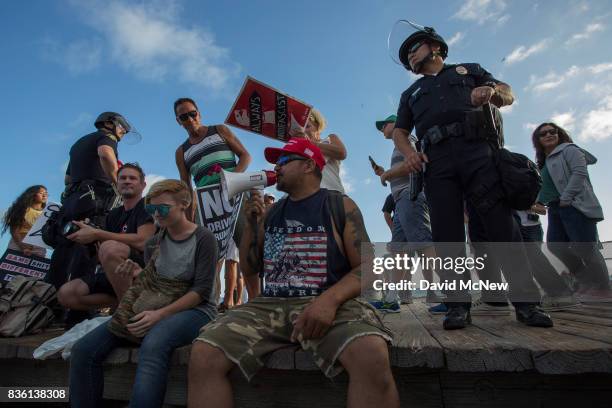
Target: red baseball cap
{"x":300,"y":146}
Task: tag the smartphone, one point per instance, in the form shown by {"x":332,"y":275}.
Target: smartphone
{"x":373,"y":163}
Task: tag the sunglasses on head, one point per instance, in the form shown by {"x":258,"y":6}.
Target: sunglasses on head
{"x":185,"y":116}
{"x":286,"y":159}
{"x":162,"y":209}
{"x":543,"y":133}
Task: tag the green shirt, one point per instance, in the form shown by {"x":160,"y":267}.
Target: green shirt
{"x":549,"y":192}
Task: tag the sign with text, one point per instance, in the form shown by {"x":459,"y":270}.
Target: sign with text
{"x":218,"y":214}
{"x":261,"y":109}
{"x":34,"y":236}
{"x":15,"y":263}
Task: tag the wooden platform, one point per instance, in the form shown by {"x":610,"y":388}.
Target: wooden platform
{"x":494,"y":362}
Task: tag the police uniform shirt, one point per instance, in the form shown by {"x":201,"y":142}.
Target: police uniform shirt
{"x":84,"y":160}
{"x":440,"y":99}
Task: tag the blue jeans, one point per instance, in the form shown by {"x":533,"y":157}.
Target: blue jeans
{"x":411,"y":221}
{"x":88,"y":354}
{"x":573,"y":238}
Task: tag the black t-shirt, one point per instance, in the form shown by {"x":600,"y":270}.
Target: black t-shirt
{"x":84,"y":160}
{"x":389,"y":205}
{"x":440,"y":99}
{"x":127,"y":222}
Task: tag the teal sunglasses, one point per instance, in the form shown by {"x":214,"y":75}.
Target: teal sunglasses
{"x":161,"y":209}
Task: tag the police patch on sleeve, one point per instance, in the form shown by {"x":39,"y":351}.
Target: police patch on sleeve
{"x":461,"y":70}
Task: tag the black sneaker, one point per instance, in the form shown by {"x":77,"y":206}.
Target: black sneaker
{"x":532,"y":315}
{"x":456,"y":317}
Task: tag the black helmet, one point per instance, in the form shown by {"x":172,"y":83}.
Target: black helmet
{"x":427,"y":33}
{"x":112,"y":117}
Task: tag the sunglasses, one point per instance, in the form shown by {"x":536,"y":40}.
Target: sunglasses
{"x":162,"y":209}
{"x":185,"y":116}
{"x":551,"y":131}
{"x":415,"y":47}
{"x":286,"y":159}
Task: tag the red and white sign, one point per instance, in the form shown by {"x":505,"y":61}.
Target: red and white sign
{"x":261,"y":109}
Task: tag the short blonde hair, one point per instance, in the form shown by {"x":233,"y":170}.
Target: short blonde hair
{"x":179,"y":190}
{"x":318,"y":119}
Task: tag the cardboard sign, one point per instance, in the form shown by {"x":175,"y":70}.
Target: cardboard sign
{"x":15,"y":263}
{"x":218,"y":214}
{"x":34,"y":236}
{"x":261,"y":109}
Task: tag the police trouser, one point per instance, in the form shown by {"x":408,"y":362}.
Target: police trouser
{"x":459,"y":169}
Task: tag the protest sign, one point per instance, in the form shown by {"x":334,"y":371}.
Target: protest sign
{"x":218,"y":214}
{"x":261,"y":109}
{"x":34,"y":236}
{"x":15,"y":263}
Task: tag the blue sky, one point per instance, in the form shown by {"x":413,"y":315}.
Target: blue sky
{"x":66,"y":61}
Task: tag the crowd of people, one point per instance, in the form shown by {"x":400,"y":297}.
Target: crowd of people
{"x":300,"y":259}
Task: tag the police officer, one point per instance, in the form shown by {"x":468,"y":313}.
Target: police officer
{"x":444,"y":106}
{"x":90,"y":193}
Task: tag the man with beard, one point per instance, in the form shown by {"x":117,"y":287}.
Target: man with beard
{"x":314,"y":235}
{"x":127,"y":229}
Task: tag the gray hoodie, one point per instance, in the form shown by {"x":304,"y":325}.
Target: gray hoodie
{"x":567,"y":166}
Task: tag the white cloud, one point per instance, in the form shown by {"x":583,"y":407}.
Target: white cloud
{"x":151,"y":179}
{"x":347,"y":182}
{"x":503,"y":19}
{"x":600,"y":68}
{"x":522,"y":52}
{"x":530,"y":126}
{"x":367,"y":181}
{"x":566,"y":119}
{"x":151,"y":41}
{"x":551,"y":80}
{"x":586,"y":33}
{"x":482,"y":11}
{"x":456,"y":39}
{"x":78,"y":57}
{"x":597,"y":123}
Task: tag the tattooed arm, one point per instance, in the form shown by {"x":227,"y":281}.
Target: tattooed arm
{"x":317,"y":317}
{"x":251,"y":245}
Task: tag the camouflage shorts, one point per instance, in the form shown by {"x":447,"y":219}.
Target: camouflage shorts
{"x":248,"y":333}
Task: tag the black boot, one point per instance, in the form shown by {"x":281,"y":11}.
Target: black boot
{"x":456,"y":317}
{"x":531,"y":315}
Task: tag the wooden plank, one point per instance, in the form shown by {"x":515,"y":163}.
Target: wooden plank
{"x":587,"y":311}
{"x":599,"y":321}
{"x":473,"y":349}
{"x":413,"y":346}
{"x":585,"y":330}
{"x":283,"y":359}
{"x":23,"y":347}
{"x":553,"y":352}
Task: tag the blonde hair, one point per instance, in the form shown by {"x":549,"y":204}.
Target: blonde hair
{"x":317,"y":118}
{"x":178,"y":189}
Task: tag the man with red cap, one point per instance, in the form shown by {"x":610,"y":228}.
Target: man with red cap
{"x":307,"y":250}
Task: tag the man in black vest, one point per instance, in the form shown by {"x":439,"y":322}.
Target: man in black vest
{"x":444,"y":107}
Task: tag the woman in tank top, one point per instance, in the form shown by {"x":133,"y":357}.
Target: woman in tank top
{"x":208,"y":149}
{"x":332,"y":148}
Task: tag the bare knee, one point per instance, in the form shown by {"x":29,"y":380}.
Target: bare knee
{"x":113,"y":250}
{"x":365,"y":355}
{"x":207,"y":360}
{"x":69,"y":293}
